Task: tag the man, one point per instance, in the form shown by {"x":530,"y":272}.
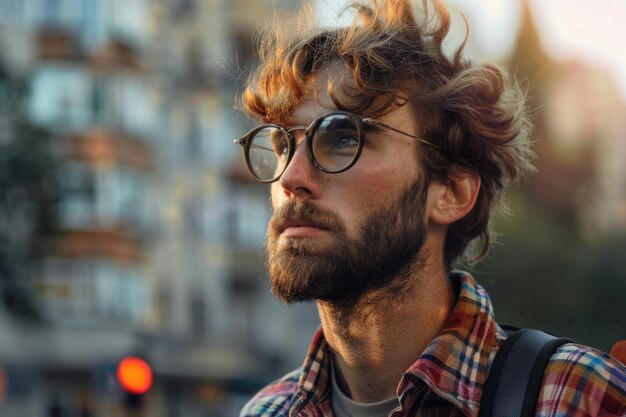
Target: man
{"x":386,"y":159}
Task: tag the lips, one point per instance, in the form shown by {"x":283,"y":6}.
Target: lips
{"x":293,"y":222}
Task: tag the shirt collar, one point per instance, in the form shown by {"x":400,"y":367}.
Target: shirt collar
{"x":454,"y":365}
{"x":314,"y":385}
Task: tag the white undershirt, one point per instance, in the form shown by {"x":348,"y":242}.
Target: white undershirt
{"x":343,"y":406}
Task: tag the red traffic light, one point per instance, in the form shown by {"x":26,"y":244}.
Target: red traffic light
{"x":134,"y":375}
{"x":618,"y":351}
{"x":3,"y":385}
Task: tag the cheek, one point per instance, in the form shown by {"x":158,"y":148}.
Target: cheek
{"x":277,"y":196}
{"x":383,"y":179}
{"x":374,"y":188}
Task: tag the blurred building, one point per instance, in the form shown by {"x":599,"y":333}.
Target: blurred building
{"x":161,"y":236}
{"x":581,"y":129}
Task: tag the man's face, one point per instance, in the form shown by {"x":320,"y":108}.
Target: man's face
{"x":336,"y":237}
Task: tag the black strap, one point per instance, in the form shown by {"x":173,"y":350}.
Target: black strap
{"x":515,"y":377}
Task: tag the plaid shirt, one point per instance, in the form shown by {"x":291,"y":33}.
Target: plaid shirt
{"x":448,"y":378}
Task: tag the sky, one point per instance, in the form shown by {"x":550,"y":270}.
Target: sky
{"x":589,"y":31}
{"x":593,"y":32}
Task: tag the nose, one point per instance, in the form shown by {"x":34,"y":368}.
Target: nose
{"x":301,"y":178}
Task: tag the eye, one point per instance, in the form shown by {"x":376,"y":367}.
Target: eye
{"x":337,"y":133}
{"x":281,"y":148}
{"x":342,"y":141}
{"x":280,"y":144}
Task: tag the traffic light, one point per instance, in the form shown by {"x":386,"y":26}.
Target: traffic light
{"x":3,"y":385}
{"x":618,"y":351}
{"x":135,"y":377}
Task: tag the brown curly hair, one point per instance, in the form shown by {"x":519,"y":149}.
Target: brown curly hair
{"x":474,"y":115}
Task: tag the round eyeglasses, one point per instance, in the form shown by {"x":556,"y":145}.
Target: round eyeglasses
{"x":334,"y":142}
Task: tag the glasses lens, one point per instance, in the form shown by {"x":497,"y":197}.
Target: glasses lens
{"x":335,"y":142}
{"x":268,"y":153}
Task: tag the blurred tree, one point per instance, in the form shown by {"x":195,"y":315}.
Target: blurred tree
{"x":28,"y":191}
{"x":542,"y":273}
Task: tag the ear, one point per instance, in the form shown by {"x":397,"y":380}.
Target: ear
{"x":450,"y":202}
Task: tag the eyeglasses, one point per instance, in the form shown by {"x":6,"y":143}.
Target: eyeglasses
{"x":334,"y":142}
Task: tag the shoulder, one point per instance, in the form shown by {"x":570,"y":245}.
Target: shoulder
{"x":273,"y":400}
{"x":582,"y":381}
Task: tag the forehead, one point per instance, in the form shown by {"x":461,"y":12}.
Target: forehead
{"x":317,"y":99}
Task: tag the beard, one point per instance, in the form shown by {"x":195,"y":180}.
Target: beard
{"x":382,"y":253}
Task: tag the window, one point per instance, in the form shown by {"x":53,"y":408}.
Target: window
{"x":198,"y":315}
{"x":80,"y":290}
{"x":191,"y":216}
{"x":12,"y":12}
{"x":51,"y":11}
{"x":137,"y":107}
{"x":108,"y":197}
{"x":248,"y":218}
{"x":127,"y":19}
{"x":91,"y":19}
{"x":72,"y":98}
{"x":61,"y":13}
{"x":78,"y":184}
{"x":182,"y":7}
{"x":218,"y":129}
{"x":214,"y":221}
{"x":194,"y":139}
{"x":244,"y":290}
{"x":164,"y":305}
{"x":122,"y":292}
{"x":60,"y":97}
{"x":64,"y":401}
{"x":66,"y":289}
{"x":99,"y":103}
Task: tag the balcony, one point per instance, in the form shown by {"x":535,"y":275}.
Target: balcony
{"x":54,"y":44}
{"x":117,"y":54}
{"x":108,"y":244}
{"x":101,"y":148}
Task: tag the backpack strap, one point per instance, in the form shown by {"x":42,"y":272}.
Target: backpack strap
{"x":514,"y":381}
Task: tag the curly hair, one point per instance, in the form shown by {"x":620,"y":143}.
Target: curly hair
{"x":393,"y":51}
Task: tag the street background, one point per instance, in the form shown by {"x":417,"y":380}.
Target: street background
{"x":130,"y":227}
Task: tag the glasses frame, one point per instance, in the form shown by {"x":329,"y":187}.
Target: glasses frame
{"x":359,"y":121}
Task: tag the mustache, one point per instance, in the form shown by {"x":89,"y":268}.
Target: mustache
{"x":305,"y":211}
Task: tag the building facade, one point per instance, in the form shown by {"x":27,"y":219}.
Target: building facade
{"x":160,"y":240}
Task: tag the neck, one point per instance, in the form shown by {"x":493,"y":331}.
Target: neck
{"x":379,"y":338}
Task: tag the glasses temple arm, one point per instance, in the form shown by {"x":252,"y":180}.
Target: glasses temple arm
{"x":386,"y":126}
{"x":240,"y":142}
